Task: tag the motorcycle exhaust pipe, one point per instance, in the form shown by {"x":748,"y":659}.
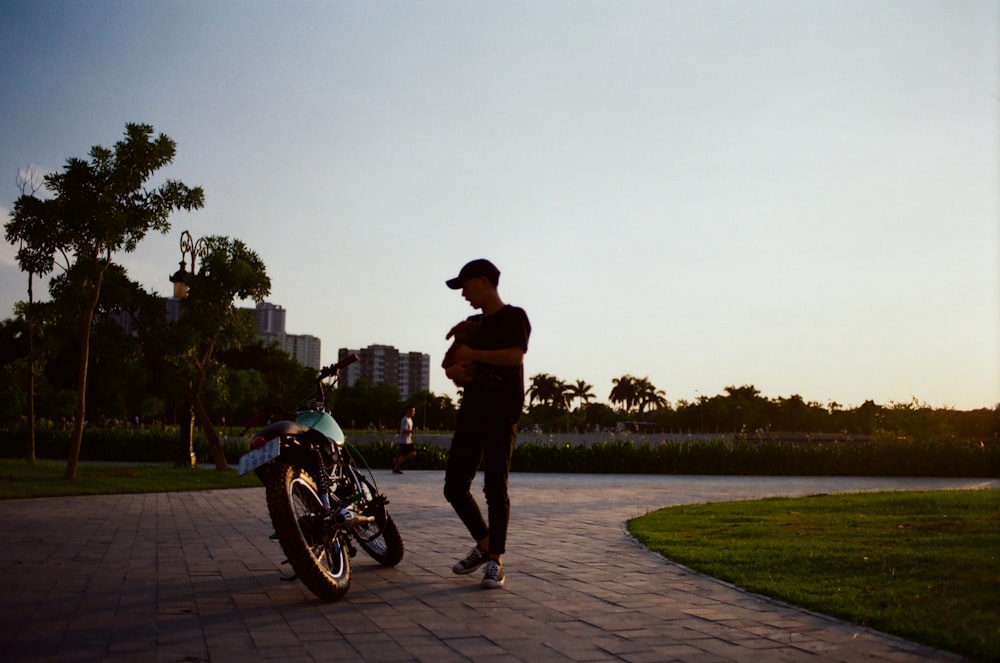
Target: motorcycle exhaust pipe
{"x":347,"y":518}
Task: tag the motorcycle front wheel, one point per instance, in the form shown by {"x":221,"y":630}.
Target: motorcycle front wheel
{"x":319,"y":559}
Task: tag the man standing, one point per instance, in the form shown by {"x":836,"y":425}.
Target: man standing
{"x":486,"y":430}
{"x":407,"y":450}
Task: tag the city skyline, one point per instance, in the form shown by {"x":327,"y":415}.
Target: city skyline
{"x":378,"y":363}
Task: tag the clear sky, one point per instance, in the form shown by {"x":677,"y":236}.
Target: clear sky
{"x":801,"y":196}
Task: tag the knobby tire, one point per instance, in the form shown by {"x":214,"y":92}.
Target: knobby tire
{"x":322,"y":564}
{"x":387,"y":547}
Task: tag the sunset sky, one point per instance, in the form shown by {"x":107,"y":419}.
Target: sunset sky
{"x":801,"y":196}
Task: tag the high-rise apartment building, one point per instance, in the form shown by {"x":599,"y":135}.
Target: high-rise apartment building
{"x":304,"y":348}
{"x":409,"y":372}
{"x":270,"y":319}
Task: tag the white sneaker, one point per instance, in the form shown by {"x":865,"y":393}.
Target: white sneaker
{"x":493,"y":577}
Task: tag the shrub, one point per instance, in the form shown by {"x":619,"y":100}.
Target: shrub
{"x":878,"y":456}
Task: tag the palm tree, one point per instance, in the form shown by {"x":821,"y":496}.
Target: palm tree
{"x":647,"y":395}
{"x":624,"y":392}
{"x":581,"y":391}
{"x":536,"y":390}
{"x":547,"y":390}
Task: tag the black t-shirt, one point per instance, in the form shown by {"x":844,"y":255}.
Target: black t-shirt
{"x":499,"y":387}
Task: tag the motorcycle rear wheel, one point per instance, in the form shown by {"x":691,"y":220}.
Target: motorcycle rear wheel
{"x":382,"y":542}
{"x":381,"y":539}
{"x":322,"y":562}
{"x":387,"y":547}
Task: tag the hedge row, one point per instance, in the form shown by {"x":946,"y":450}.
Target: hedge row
{"x":876,"y":457}
{"x":771,"y":458}
{"x":129,"y":445}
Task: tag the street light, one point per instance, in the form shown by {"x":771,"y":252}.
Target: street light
{"x":701,"y":410}
{"x":196,"y":249}
{"x":179,"y":279}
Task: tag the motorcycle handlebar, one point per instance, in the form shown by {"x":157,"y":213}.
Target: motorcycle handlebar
{"x":334,"y":369}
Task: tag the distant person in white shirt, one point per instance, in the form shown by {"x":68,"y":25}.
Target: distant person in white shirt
{"x":407,"y":450}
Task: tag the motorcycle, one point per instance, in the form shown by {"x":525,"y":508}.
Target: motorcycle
{"x":319,"y":500}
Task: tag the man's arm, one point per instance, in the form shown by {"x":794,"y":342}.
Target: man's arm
{"x":512,"y":356}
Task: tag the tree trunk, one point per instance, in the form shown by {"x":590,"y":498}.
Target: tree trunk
{"x":29,"y":453}
{"x":81,"y":379}
{"x":204,"y":418}
{"x":81,"y":398}
{"x":214,"y":443}
{"x":185,"y":449}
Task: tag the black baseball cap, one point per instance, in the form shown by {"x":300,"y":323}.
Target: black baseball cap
{"x":475,"y":269}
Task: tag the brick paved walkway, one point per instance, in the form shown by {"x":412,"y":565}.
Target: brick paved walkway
{"x":193,"y":577}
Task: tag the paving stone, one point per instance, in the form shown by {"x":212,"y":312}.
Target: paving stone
{"x":193,"y":577}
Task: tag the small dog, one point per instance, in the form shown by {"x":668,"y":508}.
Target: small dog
{"x":463,"y":332}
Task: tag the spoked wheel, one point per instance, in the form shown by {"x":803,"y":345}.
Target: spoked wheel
{"x":381,"y":538}
{"x":315,"y":550}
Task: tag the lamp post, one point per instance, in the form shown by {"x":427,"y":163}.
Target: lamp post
{"x":195,"y":249}
{"x":701,"y":410}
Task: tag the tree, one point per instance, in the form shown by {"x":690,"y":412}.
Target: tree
{"x":648,"y":396}
{"x":366,"y":405}
{"x":742,"y":408}
{"x":547,"y":390}
{"x":434,"y":412}
{"x":116,"y":377}
{"x":631,"y":393}
{"x":229,"y":271}
{"x":580,"y":391}
{"x":13,"y":364}
{"x":599,"y":415}
{"x":98,"y":208}
{"x":286,"y":381}
{"x":36,"y":258}
{"x":624,"y":392}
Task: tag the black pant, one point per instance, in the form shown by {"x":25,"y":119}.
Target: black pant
{"x":492,"y":444}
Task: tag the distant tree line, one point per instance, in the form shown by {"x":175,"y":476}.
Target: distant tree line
{"x":558,"y":406}
{"x":130,"y":384}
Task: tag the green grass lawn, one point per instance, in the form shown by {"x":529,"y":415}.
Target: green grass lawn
{"x":921,"y":565}
{"x":19,"y":479}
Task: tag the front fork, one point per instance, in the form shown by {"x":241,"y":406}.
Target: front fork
{"x":339,"y":515}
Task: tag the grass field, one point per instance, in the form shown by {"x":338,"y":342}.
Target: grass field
{"x":18,"y":479}
{"x":921,"y":565}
